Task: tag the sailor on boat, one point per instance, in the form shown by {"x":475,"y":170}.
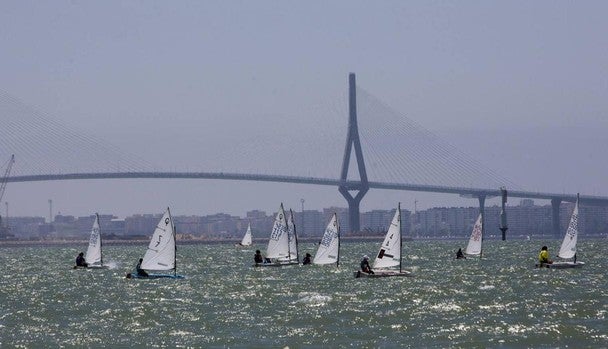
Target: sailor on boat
{"x":365,"y":267}
{"x":139,"y":270}
{"x":460,"y":255}
{"x":259,"y":259}
{"x":307,"y":259}
{"x":80,"y":261}
{"x":543,"y":257}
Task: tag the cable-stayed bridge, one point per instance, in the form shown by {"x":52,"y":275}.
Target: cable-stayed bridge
{"x":378,"y":149}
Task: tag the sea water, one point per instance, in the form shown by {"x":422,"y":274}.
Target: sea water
{"x":498,"y":301}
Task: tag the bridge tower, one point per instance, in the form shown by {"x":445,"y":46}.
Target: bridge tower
{"x":352,"y":141}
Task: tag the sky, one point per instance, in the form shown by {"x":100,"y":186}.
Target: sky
{"x":520,"y":86}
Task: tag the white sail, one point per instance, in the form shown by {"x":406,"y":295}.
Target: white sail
{"x":474,"y":246}
{"x":292,"y":237}
{"x":93,"y":255}
{"x":278,"y":245}
{"x":161,"y":251}
{"x":247,"y":238}
{"x":568,"y":249}
{"x":329,"y":248}
{"x":390,"y":251}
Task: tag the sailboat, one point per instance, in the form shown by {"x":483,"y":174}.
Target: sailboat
{"x":247,"y":240}
{"x":94,"y":257}
{"x":282,"y":246}
{"x":329,"y":247}
{"x":474,"y":246}
{"x":568,"y":248}
{"x":390,"y":252}
{"x":160,"y":255}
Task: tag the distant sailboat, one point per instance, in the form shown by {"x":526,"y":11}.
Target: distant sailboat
{"x":474,"y":246}
{"x":390,"y":252}
{"x":94,"y":256}
{"x":247,"y":239}
{"x":568,"y":248}
{"x":160,"y":255}
{"x":329,"y":248}
{"x":282,"y":245}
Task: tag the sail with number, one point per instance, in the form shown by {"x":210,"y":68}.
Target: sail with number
{"x":161,"y":251}
{"x":93,"y":256}
{"x":247,"y":238}
{"x":568,"y":249}
{"x":390,"y":251}
{"x":329,"y":248}
{"x":278,"y":245}
{"x":474,"y":246}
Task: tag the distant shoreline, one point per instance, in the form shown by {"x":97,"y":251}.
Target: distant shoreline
{"x":258,"y":242}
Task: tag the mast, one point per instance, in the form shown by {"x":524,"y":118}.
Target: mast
{"x":295,"y":236}
{"x":100,"y":241}
{"x":174,"y":244}
{"x":337,"y":226}
{"x":400,"y":238}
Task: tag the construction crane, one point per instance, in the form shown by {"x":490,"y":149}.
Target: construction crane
{"x":3,"y":182}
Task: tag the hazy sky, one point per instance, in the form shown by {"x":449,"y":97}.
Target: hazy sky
{"x":521,"y":86}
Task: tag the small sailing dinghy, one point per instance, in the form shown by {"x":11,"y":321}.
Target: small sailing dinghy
{"x":160,"y":255}
{"x":283,"y":243}
{"x":247,"y":239}
{"x":474,"y":246}
{"x":390,"y":252}
{"x":568,"y":248}
{"x":329,"y":247}
{"x":94,"y":258}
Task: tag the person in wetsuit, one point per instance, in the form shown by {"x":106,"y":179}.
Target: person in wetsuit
{"x":80,"y":261}
{"x":139,"y":270}
{"x":307,"y":259}
{"x":365,"y":267}
{"x":460,"y":255}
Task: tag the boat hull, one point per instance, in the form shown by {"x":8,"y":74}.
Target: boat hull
{"x":92,"y":267}
{"x":276,"y":264}
{"x":382,"y":274}
{"x":155,"y":276}
{"x":561,"y":265}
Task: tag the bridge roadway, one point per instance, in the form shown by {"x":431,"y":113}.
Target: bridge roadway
{"x":467,"y":192}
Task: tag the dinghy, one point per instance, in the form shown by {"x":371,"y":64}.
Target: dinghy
{"x":283,"y":244}
{"x":568,"y":248}
{"x":160,"y":255}
{"x":247,"y":240}
{"x":329,"y":247}
{"x":94,"y":258}
{"x":390,"y":252}
{"x":474,"y":246}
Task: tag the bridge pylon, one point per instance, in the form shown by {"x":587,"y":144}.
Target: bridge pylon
{"x":352,"y":141}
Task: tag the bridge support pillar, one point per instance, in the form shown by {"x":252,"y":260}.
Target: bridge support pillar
{"x":555,"y":203}
{"x":503,"y":214}
{"x":352,"y":141}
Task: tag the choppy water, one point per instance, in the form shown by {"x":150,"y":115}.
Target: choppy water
{"x":501,"y":301}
